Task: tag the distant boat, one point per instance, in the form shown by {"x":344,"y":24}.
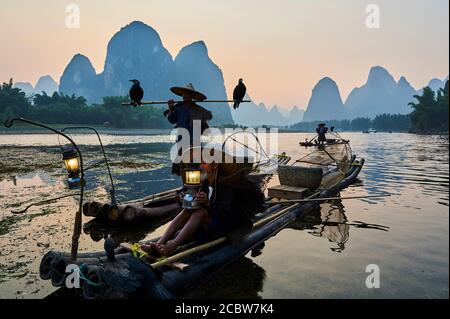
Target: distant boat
{"x":370,"y":130}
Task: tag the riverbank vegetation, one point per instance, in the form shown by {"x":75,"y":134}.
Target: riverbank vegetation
{"x":429,"y":114}
{"x":61,"y":108}
{"x":382,"y":122}
{"x":431,"y":111}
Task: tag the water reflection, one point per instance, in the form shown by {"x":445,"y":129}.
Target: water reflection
{"x":243,"y":279}
{"x":414,"y":168}
{"x":329,"y":221}
{"x":132,"y":233}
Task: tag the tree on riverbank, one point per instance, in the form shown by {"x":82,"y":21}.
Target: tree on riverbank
{"x":431,"y":111}
{"x":391,"y":122}
{"x":12,"y":102}
{"x":382,"y":122}
{"x":59,"y":108}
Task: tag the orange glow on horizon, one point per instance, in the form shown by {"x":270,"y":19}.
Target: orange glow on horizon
{"x":280,"y":48}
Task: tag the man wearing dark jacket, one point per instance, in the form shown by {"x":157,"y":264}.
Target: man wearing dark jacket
{"x":185,"y":113}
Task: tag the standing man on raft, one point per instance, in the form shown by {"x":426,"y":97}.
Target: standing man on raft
{"x":184,"y":114}
{"x":321,"y":131}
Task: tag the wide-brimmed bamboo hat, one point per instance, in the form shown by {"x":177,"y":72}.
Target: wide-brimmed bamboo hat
{"x":180,"y":90}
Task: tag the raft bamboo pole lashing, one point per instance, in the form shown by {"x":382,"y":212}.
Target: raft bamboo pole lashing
{"x":220,"y":240}
{"x":289,"y":201}
{"x":196,"y":101}
{"x":154,"y":196}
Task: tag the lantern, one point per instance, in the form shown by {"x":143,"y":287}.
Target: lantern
{"x":70,"y":158}
{"x":192,"y":177}
{"x":192,"y":183}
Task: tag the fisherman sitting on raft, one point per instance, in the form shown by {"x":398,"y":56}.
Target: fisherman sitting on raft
{"x":234,"y":198}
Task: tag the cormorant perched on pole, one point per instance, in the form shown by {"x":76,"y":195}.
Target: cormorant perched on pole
{"x":136,"y":93}
{"x":239,"y":94}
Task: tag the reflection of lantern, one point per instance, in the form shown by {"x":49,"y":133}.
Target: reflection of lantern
{"x":70,"y":158}
{"x":192,"y":182}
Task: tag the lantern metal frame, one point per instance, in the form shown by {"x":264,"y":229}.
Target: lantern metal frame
{"x":112,"y":191}
{"x":78,"y":216}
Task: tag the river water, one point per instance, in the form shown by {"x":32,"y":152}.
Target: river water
{"x":323,"y":255}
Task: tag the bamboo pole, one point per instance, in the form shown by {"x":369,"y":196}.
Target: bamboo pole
{"x":289,"y":201}
{"x":154,"y":196}
{"x":204,"y":101}
{"x":259,"y":223}
{"x":188,"y":252}
{"x":220,"y":240}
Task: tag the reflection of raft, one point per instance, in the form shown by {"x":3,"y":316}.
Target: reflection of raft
{"x":161,"y":281}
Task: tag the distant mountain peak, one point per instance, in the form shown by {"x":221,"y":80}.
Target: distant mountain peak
{"x":326,"y":79}
{"x":325,"y":102}
{"x":46,"y":84}
{"x":404,"y":83}
{"x":197,"y":47}
{"x":138,"y":26}
{"x":380,"y":74}
{"x":199,"y":44}
{"x":402,"y":80}
{"x":381,"y":94}
{"x":26,"y":87}
{"x":80,"y":59}
{"x":194,"y":65}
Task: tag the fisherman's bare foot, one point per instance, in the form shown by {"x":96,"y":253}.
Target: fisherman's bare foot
{"x":151,"y":247}
{"x":168,"y":249}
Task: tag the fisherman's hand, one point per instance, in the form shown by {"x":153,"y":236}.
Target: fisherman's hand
{"x":201,"y":197}
{"x":171,"y":103}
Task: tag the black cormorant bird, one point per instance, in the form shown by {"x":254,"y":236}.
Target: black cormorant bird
{"x":136,"y":93}
{"x":128,"y":277}
{"x":239,"y":94}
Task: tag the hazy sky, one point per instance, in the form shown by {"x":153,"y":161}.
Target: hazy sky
{"x":280,"y":47}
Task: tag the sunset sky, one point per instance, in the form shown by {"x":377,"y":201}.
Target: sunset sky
{"x":281,"y":48}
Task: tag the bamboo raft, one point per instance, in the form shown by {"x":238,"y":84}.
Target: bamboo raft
{"x":161,"y":206}
{"x":176,"y":275}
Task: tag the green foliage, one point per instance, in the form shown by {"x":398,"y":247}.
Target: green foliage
{"x":383,"y":122}
{"x":360,"y":124}
{"x":12,"y":102}
{"x":431,"y":110}
{"x":43,"y":99}
{"x":65,"y":109}
{"x":391,"y":122}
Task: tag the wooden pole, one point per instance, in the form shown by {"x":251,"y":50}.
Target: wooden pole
{"x":220,"y":240}
{"x":259,"y":223}
{"x":205,"y":101}
{"x":291,"y":201}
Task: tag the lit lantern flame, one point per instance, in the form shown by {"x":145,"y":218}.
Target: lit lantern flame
{"x":70,"y":158}
{"x":72,"y":164}
{"x":193,"y":177}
